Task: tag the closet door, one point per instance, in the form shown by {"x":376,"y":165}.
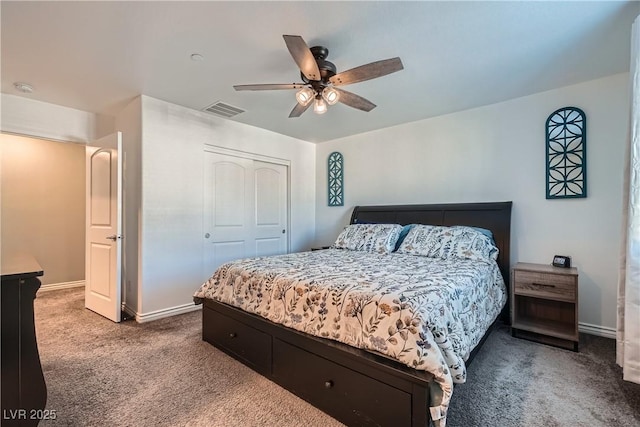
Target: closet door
{"x":245,"y":209}
{"x":270,"y":182}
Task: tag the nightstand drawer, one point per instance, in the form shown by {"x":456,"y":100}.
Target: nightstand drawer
{"x":544,"y":285}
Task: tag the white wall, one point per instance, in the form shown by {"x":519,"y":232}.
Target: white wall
{"x":24,"y":116}
{"x":173,"y":142}
{"x":129,"y":122}
{"x":497,"y":153}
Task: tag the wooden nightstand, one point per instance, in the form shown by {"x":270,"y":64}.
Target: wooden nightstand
{"x":545,"y":304}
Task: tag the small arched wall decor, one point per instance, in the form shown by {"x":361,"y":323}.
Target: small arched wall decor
{"x":335,"y":175}
{"x":566,"y":131}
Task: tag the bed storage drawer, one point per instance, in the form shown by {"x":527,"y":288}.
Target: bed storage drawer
{"x":238,"y":339}
{"x":345,"y":393}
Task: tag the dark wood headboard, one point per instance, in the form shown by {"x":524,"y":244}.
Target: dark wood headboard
{"x":492,"y":216}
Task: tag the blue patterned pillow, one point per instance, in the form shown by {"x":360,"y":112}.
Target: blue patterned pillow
{"x":403,"y":233}
{"x":449,"y":242}
{"x":380,"y":238}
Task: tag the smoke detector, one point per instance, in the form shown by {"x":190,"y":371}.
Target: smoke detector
{"x":23,"y":87}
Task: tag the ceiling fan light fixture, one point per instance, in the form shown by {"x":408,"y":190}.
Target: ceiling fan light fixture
{"x":305,"y":96}
{"x":319,"y":107}
{"x":330,"y":95}
{"x":320,"y":79}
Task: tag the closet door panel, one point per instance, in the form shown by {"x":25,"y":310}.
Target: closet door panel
{"x":245,"y":209}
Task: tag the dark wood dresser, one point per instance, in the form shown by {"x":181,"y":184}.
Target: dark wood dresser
{"x":24,"y":392}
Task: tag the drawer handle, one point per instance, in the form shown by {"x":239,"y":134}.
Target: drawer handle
{"x":233,"y":335}
{"x":328,"y":384}
{"x":544,"y":285}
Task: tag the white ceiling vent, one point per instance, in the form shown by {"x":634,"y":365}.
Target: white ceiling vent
{"x":221,"y":109}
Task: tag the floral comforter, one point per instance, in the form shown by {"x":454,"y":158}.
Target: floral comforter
{"x":427,"y":313}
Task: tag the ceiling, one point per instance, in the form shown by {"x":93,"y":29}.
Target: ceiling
{"x":97,"y":56}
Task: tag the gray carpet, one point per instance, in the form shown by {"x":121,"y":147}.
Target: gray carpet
{"x":161,"y":374}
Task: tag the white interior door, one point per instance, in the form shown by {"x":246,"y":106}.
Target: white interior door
{"x":245,"y":209}
{"x":103,"y":253}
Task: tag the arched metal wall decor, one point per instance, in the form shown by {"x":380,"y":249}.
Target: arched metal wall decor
{"x":566,"y":131}
{"x":335,"y":171}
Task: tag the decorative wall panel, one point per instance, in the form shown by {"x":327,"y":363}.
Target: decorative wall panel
{"x":566,"y":158}
{"x":335,"y":170}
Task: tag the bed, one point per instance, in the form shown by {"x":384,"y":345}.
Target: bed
{"x":360,"y":382}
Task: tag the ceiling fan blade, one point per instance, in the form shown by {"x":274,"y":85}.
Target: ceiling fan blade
{"x":303,"y":56}
{"x":355,"y":101}
{"x":367,"y":72}
{"x":299,"y":109}
{"x":270,"y":86}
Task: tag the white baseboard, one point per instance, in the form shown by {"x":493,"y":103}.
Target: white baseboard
{"x":602,"y":331}
{"x":167,"y":312}
{"x":62,"y":285}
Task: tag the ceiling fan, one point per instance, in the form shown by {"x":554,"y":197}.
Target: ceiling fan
{"x":320,"y":80}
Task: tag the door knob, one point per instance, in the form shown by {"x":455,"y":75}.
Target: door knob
{"x":284,"y":231}
{"x":114,"y":237}
{"x":207,"y":235}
